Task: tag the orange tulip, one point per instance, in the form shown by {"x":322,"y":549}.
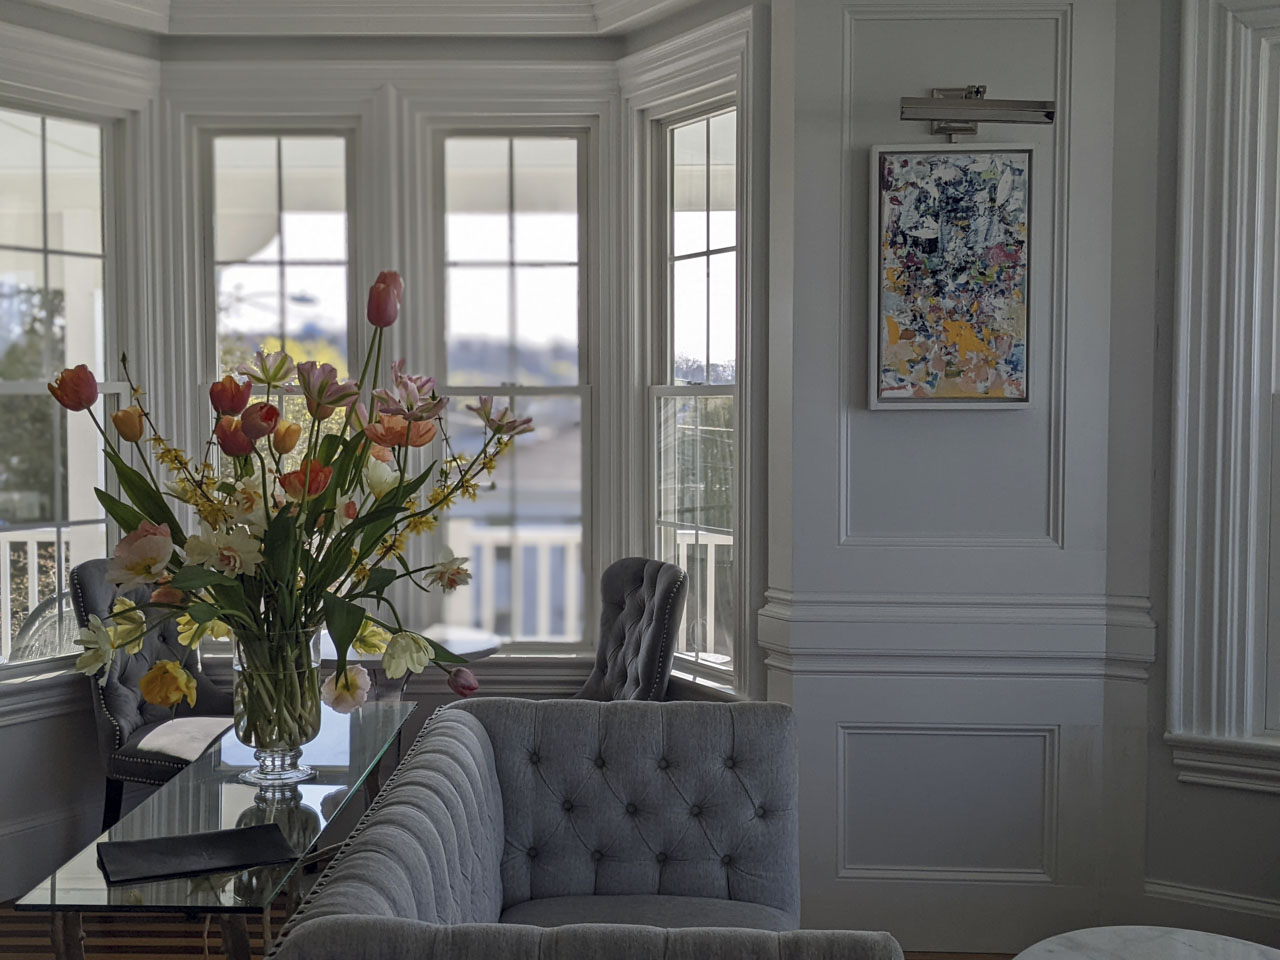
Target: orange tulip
{"x":393,"y":431}
{"x":229,"y":395}
{"x":310,"y":480}
{"x":286,"y":437}
{"x":167,"y":594}
{"x":75,"y":389}
{"x":129,"y":423}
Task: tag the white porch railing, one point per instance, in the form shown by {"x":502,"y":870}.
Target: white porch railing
{"x":21,"y":586}
{"x":698,"y":630}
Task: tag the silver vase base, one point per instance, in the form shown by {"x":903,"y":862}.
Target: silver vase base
{"x":277,"y":767}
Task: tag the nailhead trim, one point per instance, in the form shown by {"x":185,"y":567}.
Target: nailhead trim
{"x":666,"y":633}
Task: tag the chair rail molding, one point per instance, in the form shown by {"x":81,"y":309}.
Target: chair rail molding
{"x":1221,"y":516}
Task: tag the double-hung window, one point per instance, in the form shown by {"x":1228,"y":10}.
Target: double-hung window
{"x":695,"y":398}
{"x":53,"y":314}
{"x":280,"y":270}
{"x":514,"y":272}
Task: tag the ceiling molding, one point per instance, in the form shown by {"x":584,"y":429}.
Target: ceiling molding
{"x":149,"y":15}
{"x":614,"y":16}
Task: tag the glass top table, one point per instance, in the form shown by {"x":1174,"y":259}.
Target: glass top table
{"x":208,"y":796}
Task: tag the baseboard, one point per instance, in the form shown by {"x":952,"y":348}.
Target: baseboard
{"x":1215,"y":899}
{"x":48,"y":833}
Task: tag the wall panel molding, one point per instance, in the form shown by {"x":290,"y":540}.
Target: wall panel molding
{"x":1043,"y":873}
{"x":853,"y":319}
{"x":1207,"y":897}
{"x":1221,"y":517}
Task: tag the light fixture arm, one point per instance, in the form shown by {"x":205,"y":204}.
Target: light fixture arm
{"x":955,"y":111}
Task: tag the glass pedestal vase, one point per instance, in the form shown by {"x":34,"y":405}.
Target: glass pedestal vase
{"x":277,"y":705}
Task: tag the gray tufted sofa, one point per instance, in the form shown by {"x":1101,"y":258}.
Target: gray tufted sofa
{"x":575,"y":829}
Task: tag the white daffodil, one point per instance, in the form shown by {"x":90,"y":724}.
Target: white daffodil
{"x":406,"y":652}
{"x":191,"y":631}
{"x":450,"y":571}
{"x":371,"y":639}
{"x":96,"y":640}
{"x":248,"y":506}
{"x":128,"y":625}
{"x":234,"y":553}
{"x":380,"y":477}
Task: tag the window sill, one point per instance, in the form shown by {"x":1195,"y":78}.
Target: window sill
{"x":1251,"y":764}
{"x":33,"y":671}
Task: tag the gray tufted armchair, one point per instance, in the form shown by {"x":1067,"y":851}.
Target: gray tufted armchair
{"x":123,"y":718}
{"x":642,"y":602}
{"x":570,"y":829}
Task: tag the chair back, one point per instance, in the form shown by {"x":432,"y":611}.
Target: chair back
{"x":119,"y":708}
{"x":642,"y":602}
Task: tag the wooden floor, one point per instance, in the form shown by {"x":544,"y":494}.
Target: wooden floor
{"x":25,"y":936}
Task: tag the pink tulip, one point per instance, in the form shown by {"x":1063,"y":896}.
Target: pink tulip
{"x":259,"y":420}
{"x":384,"y":299}
{"x":463,"y":682}
{"x":229,"y":396}
{"x":142,"y":556}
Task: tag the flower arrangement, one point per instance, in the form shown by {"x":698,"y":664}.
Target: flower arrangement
{"x":284,"y":548}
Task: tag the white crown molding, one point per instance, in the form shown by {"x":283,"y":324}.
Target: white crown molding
{"x":81,"y":75}
{"x":673,"y":68}
{"x":616,"y":15}
{"x":149,"y":15}
{"x":1220,"y":516}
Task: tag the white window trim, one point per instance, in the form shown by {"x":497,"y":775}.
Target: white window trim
{"x":51,"y":75}
{"x":707,"y":69}
{"x":1225,"y":380}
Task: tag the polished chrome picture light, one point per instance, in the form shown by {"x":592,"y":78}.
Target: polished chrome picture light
{"x":959,"y":110}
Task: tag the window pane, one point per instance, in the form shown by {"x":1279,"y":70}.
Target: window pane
{"x":697,"y":494}
{"x":26,"y":345}
{"x":477,"y":199}
{"x":546,"y":199}
{"x":73,"y":153}
{"x":689,"y":320}
{"x":82,"y":463}
{"x":20,"y":181}
{"x":722,"y":317}
{"x":316,"y":314}
{"x":75,"y":294}
{"x":248,"y":312}
{"x":724,"y":181}
{"x":689,"y":188}
{"x":29,"y":459}
{"x":547,"y":325}
{"x":524,"y":537}
{"x":314,"y":181}
{"x":246,"y":205}
{"x":478,"y":325}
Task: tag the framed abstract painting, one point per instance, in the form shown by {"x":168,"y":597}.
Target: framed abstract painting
{"x":950,"y":276}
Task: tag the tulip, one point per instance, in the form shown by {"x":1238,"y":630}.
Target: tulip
{"x":392,"y":431}
{"x":346,"y":693}
{"x":323,"y":390}
{"x":286,"y":437}
{"x":229,"y":395}
{"x":76,"y":389}
{"x":129,"y":423}
{"x":259,"y":420}
{"x":503,"y":424}
{"x":231,"y":438}
{"x":463,"y":682}
{"x":381,"y":453}
{"x":406,"y":653}
{"x":384,"y":299}
{"x":270,"y":370}
{"x":167,"y":594}
{"x":167,"y":683}
{"x":142,"y":556}
{"x":310,"y":480}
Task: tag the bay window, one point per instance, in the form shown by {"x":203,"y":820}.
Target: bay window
{"x":53,"y":314}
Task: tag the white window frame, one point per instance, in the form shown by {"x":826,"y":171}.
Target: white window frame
{"x":699,"y":73}
{"x":1224,"y":612}
{"x":583,"y":132}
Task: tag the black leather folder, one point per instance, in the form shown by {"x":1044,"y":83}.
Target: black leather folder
{"x":220,"y":851}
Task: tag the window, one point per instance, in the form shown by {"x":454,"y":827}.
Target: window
{"x":512,"y":301}
{"x":52,"y":315}
{"x":280,"y":252}
{"x":695,"y":399}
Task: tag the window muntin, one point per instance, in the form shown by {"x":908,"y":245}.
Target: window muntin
{"x":52,"y":315}
{"x":695,"y":403}
{"x":512,"y":259}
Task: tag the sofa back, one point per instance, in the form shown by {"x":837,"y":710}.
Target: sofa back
{"x":685,"y":799}
{"x":429,"y":848}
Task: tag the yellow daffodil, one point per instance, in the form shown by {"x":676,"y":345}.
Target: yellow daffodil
{"x":167,"y":684}
{"x":406,"y":652}
{"x":371,"y":640}
{"x":191,"y":632}
{"x":128,"y":625}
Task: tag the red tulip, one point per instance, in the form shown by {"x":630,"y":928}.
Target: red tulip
{"x":393,"y":280}
{"x":259,"y":420}
{"x":231,"y":438}
{"x":75,"y":389}
{"x":310,"y":480}
{"x":230,"y":396}
{"x":384,"y":302}
{"x":463,"y":682}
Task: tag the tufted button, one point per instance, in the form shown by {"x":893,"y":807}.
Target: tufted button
{"x":663,"y":764}
{"x":760,"y":811}
{"x":726,"y":859}
{"x":567,"y":806}
{"x":729,"y":763}
{"x":695,"y":811}
{"x":597,"y":856}
{"x":600,"y":762}
{"x":631,"y":808}
{"x":534,"y":758}
{"x":533,"y":852}
{"x":662,"y":858}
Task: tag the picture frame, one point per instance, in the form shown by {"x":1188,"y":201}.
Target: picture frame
{"x":950,"y":276}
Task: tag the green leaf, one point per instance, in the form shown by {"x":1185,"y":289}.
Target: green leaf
{"x":379,"y":579}
{"x":343,"y":619}
{"x":119,"y":511}
{"x":329,"y":447}
{"x":443,"y":655}
{"x":197,"y":578}
{"x":146,"y":497}
{"x":202,"y":612}
{"x":277,"y":545}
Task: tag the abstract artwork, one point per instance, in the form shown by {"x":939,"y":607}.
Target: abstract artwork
{"x":950,"y":269}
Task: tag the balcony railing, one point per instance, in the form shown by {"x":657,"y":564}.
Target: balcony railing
{"x":36,"y":620}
